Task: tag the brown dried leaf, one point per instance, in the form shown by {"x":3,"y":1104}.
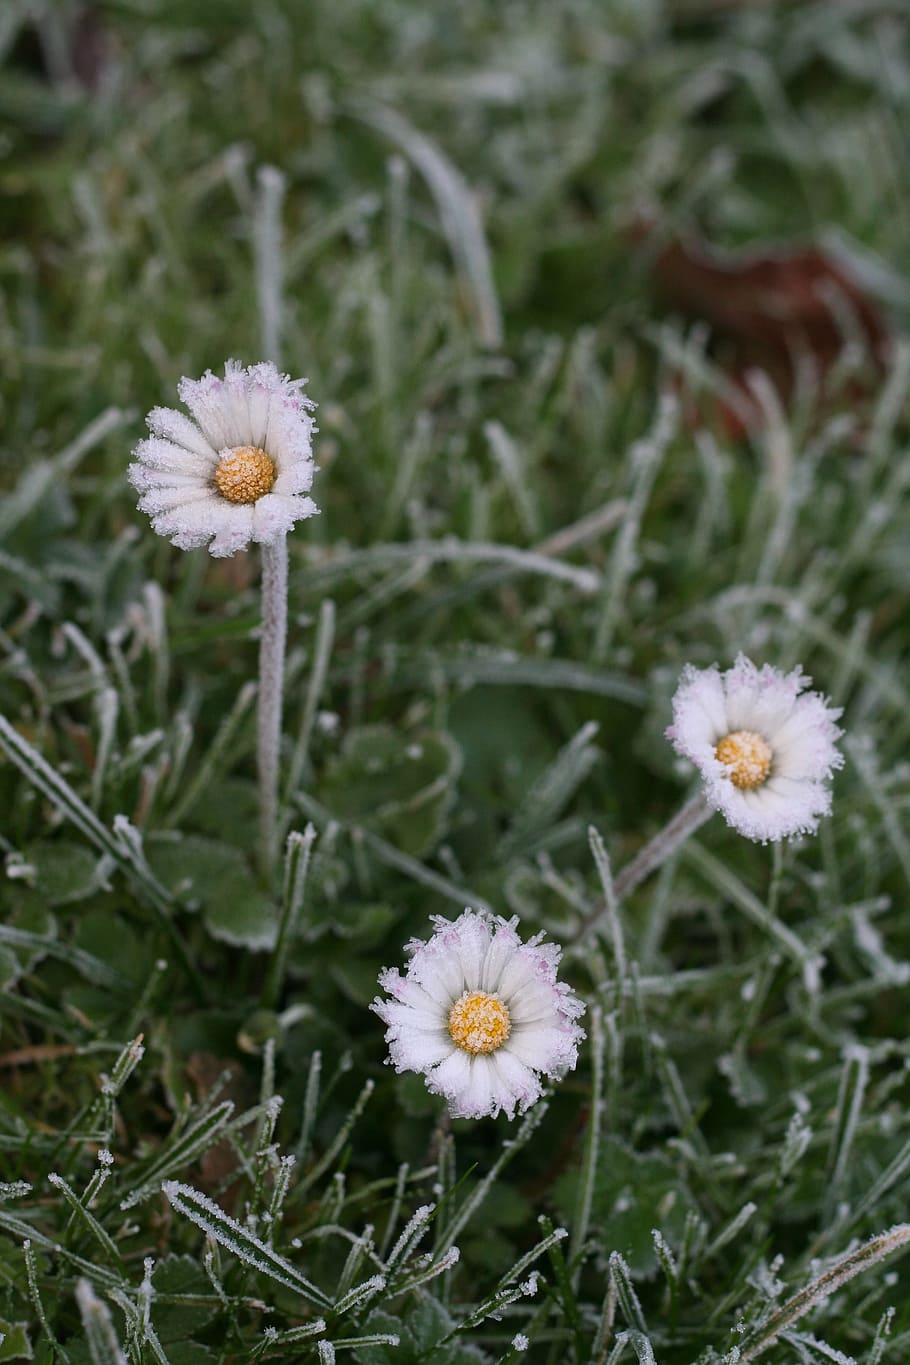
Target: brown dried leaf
{"x":767,"y":306}
{"x":220,"y":1163}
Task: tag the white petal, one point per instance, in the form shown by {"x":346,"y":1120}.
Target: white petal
{"x":520,"y":971}
{"x":548,"y":1048}
{"x":515,"y":1079}
{"x":451,"y":1079}
{"x":759,"y":699}
{"x":205,"y":399}
{"x":142,"y":478}
{"x":234,"y":529}
{"x":258,"y":398}
{"x":289,"y":434}
{"x":699,"y":713}
{"x":472,"y":939}
{"x":273,"y":516}
{"x":236,"y":408}
{"x":805,"y":745}
{"x":166,"y":499}
{"x":429,"y":1019}
{"x":177,"y":427}
{"x":156,"y":453}
{"x":438,"y":974}
{"x":536,"y":1000}
{"x":407,"y":991}
{"x":197,"y":518}
{"x":296,"y":477}
{"x":419,"y":1051}
{"x":780,"y":809}
{"x":190,"y":539}
{"x":503,"y":950}
{"x":481,"y":1096}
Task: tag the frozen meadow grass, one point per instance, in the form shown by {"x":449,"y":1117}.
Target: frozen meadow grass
{"x":537,"y":507}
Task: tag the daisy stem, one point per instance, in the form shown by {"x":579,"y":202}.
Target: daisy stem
{"x":271,"y":694}
{"x":655,"y":853}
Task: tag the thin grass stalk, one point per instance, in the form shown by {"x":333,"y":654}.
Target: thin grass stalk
{"x":840,"y":1273}
{"x":297,"y":866}
{"x":322,"y":651}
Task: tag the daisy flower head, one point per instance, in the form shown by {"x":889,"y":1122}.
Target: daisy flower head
{"x":765,"y":747}
{"x":481,"y":1015}
{"x":238,"y":469}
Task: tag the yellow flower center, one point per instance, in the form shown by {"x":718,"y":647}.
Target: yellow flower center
{"x":245,"y":474}
{"x":747,"y":756}
{"x":479,"y":1022}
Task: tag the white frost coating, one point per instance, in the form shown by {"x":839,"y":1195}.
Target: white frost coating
{"x":326,"y":1352}
{"x":361,"y":1294}
{"x":663,"y":1250}
{"x":174,"y":470}
{"x":98,"y":1326}
{"x":798,"y":727}
{"x":238,"y":1240}
{"x":14,"y":1189}
{"x":480,"y":952}
{"x":414,"y":1230}
{"x":520,"y":1342}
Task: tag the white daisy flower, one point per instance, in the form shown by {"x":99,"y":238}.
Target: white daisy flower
{"x":238,"y":471}
{"x":764,"y":746}
{"x":481,"y":1015}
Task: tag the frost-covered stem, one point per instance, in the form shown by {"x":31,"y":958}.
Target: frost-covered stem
{"x":98,"y":1326}
{"x":271,"y":693}
{"x":655,"y":853}
{"x":854,"y":1263}
{"x":322,"y":651}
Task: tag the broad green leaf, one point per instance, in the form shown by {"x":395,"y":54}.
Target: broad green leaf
{"x":217,"y":878}
{"x":632,"y":1194}
{"x":66,"y":871}
{"x":181,"y":1322}
{"x":401,"y":786}
{"x":15,"y":1344}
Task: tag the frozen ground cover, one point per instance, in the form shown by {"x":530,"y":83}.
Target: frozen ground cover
{"x":536,"y":509}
